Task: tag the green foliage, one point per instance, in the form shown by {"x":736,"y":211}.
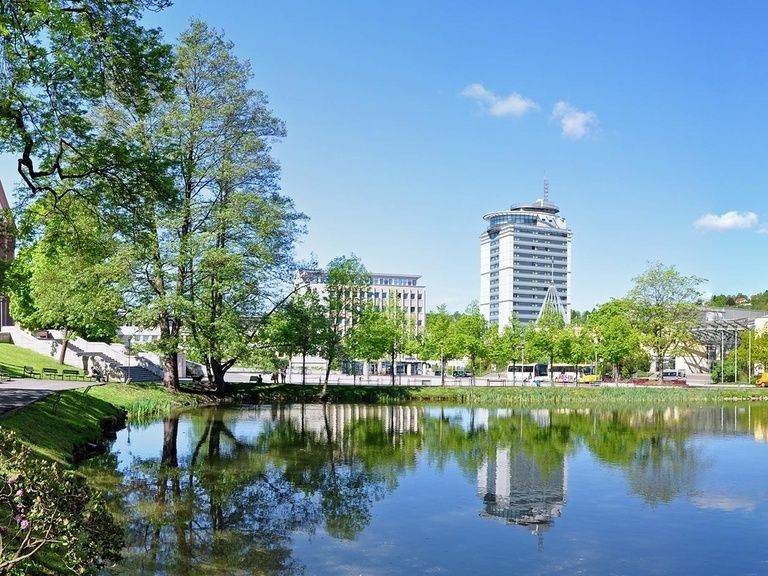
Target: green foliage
{"x":297,"y":327}
{"x":61,"y":62}
{"x":543,"y":338}
{"x":469,"y":335}
{"x":68,"y":275}
{"x":664,"y":308}
{"x":438,"y":341}
{"x":344,"y":301}
{"x":47,"y":510}
{"x":617,"y":340}
{"x":507,"y":346}
{"x":214,"y":248}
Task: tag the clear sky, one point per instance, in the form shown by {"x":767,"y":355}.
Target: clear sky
{"x":408,"y":121}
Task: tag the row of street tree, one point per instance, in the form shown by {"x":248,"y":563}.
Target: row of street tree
{"x":655,"y":320}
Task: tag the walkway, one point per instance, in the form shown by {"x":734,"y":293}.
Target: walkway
{"x":19,"y":392}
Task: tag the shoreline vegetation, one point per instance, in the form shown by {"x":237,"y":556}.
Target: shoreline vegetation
{"x":69,"y":426}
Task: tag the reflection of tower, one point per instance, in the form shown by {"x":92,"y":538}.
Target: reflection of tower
{"x":516,"y":489}
{"x":7,"y":249}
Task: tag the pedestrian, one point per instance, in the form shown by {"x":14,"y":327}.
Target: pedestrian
{"x":282,"y":375}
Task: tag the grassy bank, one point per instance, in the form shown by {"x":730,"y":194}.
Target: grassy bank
{"x":529,"y":396}
{"x":65,"y":426}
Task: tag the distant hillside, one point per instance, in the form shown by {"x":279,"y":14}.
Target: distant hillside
{"x":756,"y":301}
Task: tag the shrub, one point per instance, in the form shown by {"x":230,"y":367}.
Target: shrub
{"x":49,"y":512}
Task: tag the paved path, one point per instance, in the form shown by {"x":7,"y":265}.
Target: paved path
{"x":19,"y":392}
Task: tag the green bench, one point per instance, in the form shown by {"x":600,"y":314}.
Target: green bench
{"x":29,"y":372}
{"x":70,"y":374}
{"x":50,"y":373}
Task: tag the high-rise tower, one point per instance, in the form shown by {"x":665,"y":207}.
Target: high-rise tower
{"x":525,"y":261}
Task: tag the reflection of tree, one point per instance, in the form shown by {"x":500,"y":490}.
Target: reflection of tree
{"x":224,"y":501}
{"x":662,"y":469}
{"x":651,"y":447}
{"x":226,"y":497}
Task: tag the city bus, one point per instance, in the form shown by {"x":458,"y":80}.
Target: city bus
{"x":526,"y":371}
{"x":560,"y":372}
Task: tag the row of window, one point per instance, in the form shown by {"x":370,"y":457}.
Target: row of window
{"x":512,"y":219}
{"x":394,"y":281}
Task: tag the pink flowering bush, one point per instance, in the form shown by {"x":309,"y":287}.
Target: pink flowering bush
{"x":47,"y":510}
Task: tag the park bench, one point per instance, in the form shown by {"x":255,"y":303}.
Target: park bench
{"x":50,"y":372}
{"x":70,"y":374}
{"x":29,"y":372}
{"x":4,"y":377}
{"x":256,"y":379}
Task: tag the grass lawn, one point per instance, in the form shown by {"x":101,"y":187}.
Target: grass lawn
{"x":584,"y":396}
{"x":14,"y":358}
{"x":60,"y":424}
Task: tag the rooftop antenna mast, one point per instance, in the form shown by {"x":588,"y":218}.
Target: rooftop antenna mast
{"x":546,"y":189}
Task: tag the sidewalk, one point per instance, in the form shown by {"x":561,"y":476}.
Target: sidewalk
{"x":19,"y":392}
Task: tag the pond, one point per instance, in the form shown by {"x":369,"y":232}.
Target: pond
{"x":357,"y":489}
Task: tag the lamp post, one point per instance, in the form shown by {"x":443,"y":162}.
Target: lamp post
{"x":722,"y":356}
{"x":128,"y":351}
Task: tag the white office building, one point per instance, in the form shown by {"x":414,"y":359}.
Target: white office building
{"x":401,"y":289}
{"x":525,"y":260}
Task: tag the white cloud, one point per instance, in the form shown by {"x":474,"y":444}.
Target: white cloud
{"x":728,"y":221}
{"x":726,"y":503}
{"x":512,"y":105}
{"x":575,"y":123}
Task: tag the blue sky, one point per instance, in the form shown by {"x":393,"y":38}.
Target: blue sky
{"x":408,"y":121}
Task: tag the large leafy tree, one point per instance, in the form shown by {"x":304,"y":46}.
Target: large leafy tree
{"x":344,"y":297}
{"x":213,"y":254}
{"x":296,"y":327}
{"x":68,"y":274}
{"x":664,"y":307}
{"x":618,"y":341}
{"x":506,"y":346}
{"x":544,"y":338}
{"x":438,"y":340}
{"x":61,"y":61}
{"x":469,"y":334}
{"x":369,"y":338}
{"x":382,"y":332}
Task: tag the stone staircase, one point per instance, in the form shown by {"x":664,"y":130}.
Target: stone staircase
{"x":138,"y":368}
{"x":137,"y":374}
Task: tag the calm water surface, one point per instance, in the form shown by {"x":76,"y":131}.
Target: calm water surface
{"x":355,"y":489}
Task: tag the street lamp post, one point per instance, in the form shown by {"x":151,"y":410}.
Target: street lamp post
{"x":722,"y":356}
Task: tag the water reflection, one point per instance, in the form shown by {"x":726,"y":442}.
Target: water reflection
{"x":236,"y":490}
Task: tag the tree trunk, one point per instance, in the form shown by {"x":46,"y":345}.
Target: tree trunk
{"x":303,"y":368}
{"x":64,"y":345}
{"x":217,"y":371}
{"x":392,"y":356}
{"x":170,"y":434}
{"x":442,"y":371}
{"x":171,"y":372}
